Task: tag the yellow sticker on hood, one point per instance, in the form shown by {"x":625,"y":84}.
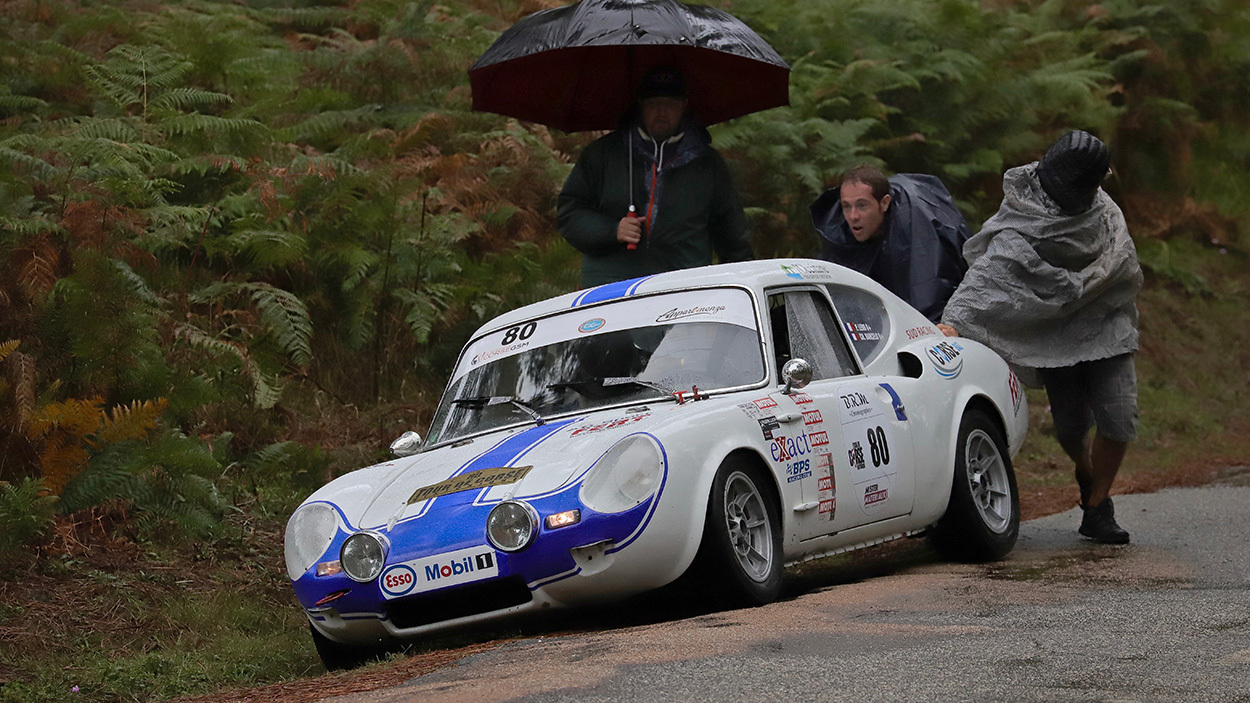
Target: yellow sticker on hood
{"x":482,"y":478}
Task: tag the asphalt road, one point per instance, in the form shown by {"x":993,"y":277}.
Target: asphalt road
{"x":1166,"y":618}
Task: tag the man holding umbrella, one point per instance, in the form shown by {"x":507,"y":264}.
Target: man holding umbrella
{"x":658,"y":72}
{"x":653,"y":195}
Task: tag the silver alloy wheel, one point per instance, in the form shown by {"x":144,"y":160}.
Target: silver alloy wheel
{"x":987,"y":479}
{"x":750,"y":533}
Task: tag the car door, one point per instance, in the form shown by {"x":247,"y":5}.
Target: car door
{"x":843,"y":454}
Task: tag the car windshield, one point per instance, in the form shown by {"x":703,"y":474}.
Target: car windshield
{"x":630,"y":350}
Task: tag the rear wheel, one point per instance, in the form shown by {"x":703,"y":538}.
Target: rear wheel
{"x":740,"y":558}
{"x":982,"y":519}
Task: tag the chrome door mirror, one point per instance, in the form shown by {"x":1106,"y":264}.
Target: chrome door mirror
{"x":797,"y":373}
{"x":407,"y":444}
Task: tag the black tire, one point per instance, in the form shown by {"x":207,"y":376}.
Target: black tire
{"x":982,"y":519}
{"x":740,"y":561}
{"x":337,"y":656}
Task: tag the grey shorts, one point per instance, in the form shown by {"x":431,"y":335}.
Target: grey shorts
{"x":1102,"y":393}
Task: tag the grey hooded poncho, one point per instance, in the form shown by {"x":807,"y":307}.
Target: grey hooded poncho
{"x":1045,"y":289}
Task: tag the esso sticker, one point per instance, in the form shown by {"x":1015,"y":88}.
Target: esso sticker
{"x":398,"y":580}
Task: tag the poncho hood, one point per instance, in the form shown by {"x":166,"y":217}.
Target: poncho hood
{"x":1045,"y":289}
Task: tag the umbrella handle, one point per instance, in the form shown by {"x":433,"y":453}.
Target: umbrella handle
{"x":632,"y":245}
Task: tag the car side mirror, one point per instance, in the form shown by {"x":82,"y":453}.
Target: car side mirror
{"x":407,"y":444}
{"x":797,"y":373}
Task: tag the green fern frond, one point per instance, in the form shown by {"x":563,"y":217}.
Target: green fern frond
{"x":112,"y":129}
{"x":188,"y":99}
{"x":11,"y":104}
{"x":196,"y":123}
{"x":31,"y":225}
{"x":136,"y":284}
{"x":265,"y":394}
{"x":329,"y":123}
{"x":270,"y":247}
{"x":12,"y":160}
{"x":287,"y":318}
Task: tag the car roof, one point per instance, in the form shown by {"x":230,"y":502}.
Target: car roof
{"x":756,"y":275}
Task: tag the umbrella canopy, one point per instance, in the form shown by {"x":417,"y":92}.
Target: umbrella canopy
{"x":575,"y":68}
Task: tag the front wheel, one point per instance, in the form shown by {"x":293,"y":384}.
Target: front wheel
{"x":982,"y":518}
{"x":337,"y":656}
{"x":740,"y":556}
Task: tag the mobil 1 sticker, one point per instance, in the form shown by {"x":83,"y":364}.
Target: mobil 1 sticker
{"x":438,"y":571}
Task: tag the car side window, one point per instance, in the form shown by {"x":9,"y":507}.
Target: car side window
{"x":804,"y":327}
{"x":865,"y":319}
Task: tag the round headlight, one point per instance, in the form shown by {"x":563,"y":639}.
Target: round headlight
{"x":363,"y":555}
{"x":309,"y":533}
{"x":511,"y":526}
{"x":629,"y":473}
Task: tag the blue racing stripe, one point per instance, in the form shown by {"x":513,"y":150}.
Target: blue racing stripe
{"x":611,"y":291}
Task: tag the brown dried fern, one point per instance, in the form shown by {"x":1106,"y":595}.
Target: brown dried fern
{"x":130,"y":421}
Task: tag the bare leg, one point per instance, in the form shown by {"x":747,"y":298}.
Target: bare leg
{"x":1105,"y":458}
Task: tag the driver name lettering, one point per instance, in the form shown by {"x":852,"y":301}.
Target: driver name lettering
{"x":874,"y":495}
{"x":482,"y":478}
{"x":697,"y":311}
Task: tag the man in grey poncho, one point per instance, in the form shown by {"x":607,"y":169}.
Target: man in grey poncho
{"x":1052,"y":287}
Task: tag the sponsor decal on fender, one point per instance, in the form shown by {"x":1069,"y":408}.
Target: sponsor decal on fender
{"x":947,"y":358}
{"x":448,"y":569}
{"x":1013,"y":384}
{"x":800,"y":398}
{"x":812,"y":417}
{"x":789,"y":448}
{"x":819,"y":439}
{"x":482,"y":478}
{"x":918,"y":332}
{"x":765,"y":403}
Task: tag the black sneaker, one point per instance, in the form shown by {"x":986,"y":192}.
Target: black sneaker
{"x":1099,"y":524}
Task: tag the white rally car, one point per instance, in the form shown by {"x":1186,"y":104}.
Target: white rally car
{"x":726,"y":421}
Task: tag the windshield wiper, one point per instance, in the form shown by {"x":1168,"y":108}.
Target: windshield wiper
{"x":598,"y":388}
{"x":482,"y":401}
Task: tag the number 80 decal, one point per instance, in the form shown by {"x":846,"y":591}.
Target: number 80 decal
{"x":519,"y":332}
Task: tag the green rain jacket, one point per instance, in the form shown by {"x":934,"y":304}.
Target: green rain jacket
{"x":695,"y":209}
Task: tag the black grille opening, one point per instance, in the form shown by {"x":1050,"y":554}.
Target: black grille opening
{"x":459,"y":602}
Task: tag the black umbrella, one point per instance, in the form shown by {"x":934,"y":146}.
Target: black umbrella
{"x":575,"y":68}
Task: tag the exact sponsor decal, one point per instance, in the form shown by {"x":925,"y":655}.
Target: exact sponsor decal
{"x":790,"y":448}
{"x":800,"y":271}
{"x":448,"y":569}
{"x":482,"y":478}
{"x":861,"y":332}
{"x":918,"y":332}
{"x":696,"y":311}
{"x":947,"y":358}
{"x":591,"y":325}
{"x":812,"y":417}
{"x":609,"y":425}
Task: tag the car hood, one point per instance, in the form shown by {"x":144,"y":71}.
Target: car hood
{"x":517,"y":463}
